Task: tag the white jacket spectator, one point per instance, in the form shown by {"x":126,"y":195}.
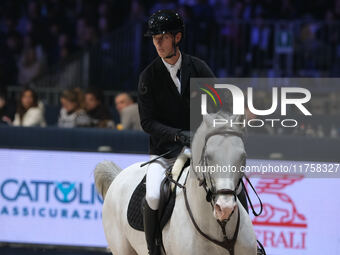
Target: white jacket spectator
{"x":30,"y":113}
{"x":32,"y":118}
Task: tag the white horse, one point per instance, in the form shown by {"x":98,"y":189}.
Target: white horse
{"x":221,"y":146}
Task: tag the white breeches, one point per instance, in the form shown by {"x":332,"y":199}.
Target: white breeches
{"x":154,"y":177}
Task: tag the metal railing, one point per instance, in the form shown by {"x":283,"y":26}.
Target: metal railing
{"x":269,"y":49}
{"x":51,"y":96}
{"x":72,"y":73}
{"x":110,"y":64}
{"x":114,"y":64}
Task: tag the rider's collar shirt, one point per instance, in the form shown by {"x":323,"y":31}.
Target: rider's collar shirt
{"x":173,"y":69}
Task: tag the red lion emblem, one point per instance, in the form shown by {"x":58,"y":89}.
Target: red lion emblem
{"x":281,"y":211}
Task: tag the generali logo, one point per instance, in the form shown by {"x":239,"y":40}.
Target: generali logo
{"x":281,"y":224}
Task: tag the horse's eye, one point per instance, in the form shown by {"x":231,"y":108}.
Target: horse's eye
{"x":208,"y":157}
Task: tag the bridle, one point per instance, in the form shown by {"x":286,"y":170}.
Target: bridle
{"x":211,"y":193}
{"x":210,"y":189}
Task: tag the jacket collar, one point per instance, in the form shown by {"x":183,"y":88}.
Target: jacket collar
{"x":185,"y":73}
{"x":176,"y":66}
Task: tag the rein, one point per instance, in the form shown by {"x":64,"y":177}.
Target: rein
{"x":228,"y":244}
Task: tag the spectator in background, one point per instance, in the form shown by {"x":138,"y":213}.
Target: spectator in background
{"x":96,"y":110}
{"x":259,"y":41}
{"x":30,"y":112}
{"x":87,"y":35}
{"x":128,"y":111}
{"x":6,"y":111}
{"x":72,"y":113}
{"x":29,"y":66}
{"x":223,"y":10}
{"x":137,"y":12}
{"x":309,"y":50}
{"x":163,"y":4}
{"x":10,"y":55}
{"x":91,"y":37}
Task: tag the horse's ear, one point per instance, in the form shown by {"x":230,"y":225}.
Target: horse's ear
{"x":207,"y":123}
{"x":240,"y":119}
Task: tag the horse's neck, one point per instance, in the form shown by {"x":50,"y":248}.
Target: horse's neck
{"x":203,"y":211}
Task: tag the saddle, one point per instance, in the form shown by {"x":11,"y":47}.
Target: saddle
{"x":167,"y":197}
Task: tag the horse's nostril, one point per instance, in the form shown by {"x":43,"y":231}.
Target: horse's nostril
{"x":218,"y":208}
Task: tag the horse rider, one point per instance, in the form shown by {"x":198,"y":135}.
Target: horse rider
{"x":163,"y":100}
{"x":164,"y":107}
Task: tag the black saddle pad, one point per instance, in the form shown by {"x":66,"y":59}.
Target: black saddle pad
{"x":135,"y":211}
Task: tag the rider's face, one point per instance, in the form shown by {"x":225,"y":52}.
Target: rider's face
{"x":163,"y":44}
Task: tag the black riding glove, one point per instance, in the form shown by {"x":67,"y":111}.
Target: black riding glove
{"x":184,"y":137}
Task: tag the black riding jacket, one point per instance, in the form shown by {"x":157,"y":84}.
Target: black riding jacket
{"x":163,"y":110}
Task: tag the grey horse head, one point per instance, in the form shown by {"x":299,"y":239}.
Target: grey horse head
{"x":217,"y":155}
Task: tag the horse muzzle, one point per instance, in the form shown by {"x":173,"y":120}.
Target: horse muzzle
{"x":224,"y":207}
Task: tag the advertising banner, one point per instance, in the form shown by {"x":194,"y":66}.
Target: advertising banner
{"x":299,"y":211}
{"x":49,"y":197}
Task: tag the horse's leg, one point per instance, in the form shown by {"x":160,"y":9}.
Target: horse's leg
{"x":114,"y":231}
{"x":122,"y":247}
{"x":121,"y":238}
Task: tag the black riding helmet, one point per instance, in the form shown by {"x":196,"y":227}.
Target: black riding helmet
{"x":165,"y":21}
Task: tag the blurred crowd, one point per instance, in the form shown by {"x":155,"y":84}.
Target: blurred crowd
{"x":78,"y":109}
{"x":87,"y":108}
{"x":35,"y":34}
{"x":324,"y":122}
{"x":39,"y":33}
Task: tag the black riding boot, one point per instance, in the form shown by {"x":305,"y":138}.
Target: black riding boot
{"x":150,"y":218}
